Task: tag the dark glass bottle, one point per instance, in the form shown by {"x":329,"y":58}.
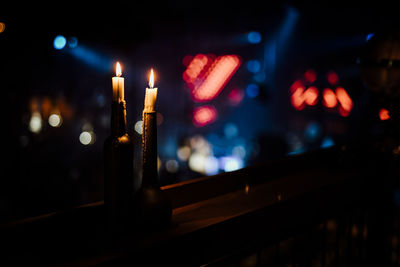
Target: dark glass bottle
{"x":151,"y":205}
{"x":119,"y":175}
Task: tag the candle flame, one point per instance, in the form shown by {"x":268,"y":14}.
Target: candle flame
{"x":118,"y":71}
{"x":151,"y":79}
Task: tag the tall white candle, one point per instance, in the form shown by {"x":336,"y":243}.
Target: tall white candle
{"x":151,"y":95}
{"x":118,"y":84}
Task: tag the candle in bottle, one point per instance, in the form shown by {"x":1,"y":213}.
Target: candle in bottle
{"x":151,"y":95}
{"x":118,"y":84}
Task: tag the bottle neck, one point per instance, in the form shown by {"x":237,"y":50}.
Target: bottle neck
{"x":118,"y":118}
{"x":149,"y":149}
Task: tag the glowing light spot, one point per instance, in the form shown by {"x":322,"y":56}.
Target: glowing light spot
{"x":230,"y":130}
{"x":172,"y":166}
{"x":55,"y":120}
{"x":183,"y":153}
{"x":72,"y":42}
{"x":211,"y":165}
{"x":311,"y":96}
{"x":35,"y":123}
{"x":197,"y":162}
{"x":296,"y":86}
{"x":2,"y":27}
{"x":369,"y":36}
{"x":139,"y":127}
{"x":310,"y":76}
{"x":59,"y":42}
{"x":297,"y":99}
{"x":254,"y":37}
{"x":346,"y":104}
{"x":239,"y":151}
{"x":231,"y":163}
{"x":312,"y":131}
{"x":253,"y":66}
{"x":329,"y":98}
{"x":85,"y":138}
{"x":384,"y":114}
{"x":204,"y":115}
{"x":216,"y":77}
{"x":252,"y":90}
{"x":327,"y":142}
{"x":235,"y":96}
{"x":332,"y":78}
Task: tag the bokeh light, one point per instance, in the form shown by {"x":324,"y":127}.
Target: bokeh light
{"x":59,"y":42}
{"x":254,"y":37}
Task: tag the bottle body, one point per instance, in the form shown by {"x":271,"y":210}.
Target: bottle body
{"x":118,"y":170}
{"x":151,"y":206}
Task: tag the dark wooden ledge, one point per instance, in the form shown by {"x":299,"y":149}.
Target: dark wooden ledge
{"x":212,"y":217}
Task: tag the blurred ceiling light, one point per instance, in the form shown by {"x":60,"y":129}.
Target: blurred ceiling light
{"x":204,"y":115}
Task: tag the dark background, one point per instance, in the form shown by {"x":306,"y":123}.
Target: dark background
{"x":51,"y":169}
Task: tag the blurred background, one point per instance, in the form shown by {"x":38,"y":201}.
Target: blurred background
{"x":239,"y":83}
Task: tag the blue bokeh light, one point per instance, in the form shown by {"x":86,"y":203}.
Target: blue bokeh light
{"x":253,"y":66}
{"x":369,"y":36}
{"x":59,"y":42}
{"x":254,"y":37}
{"x":252,"y":90}
{"x":72,"y":42}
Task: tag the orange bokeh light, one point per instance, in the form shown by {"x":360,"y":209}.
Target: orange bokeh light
{"x":329,"y":98}
{"x":384,"y":114}
{"x":344,"y":99}
{"x":311,"y":96}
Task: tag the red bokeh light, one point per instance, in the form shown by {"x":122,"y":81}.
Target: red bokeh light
{"x":235,"y":96}
{"x":384,"y":114}
{"x":329,"y":98}
{"x":297,"y":99}
{"x":310,"y":75}
{"x":345,"y":101}
{"x":296,"y":85}
{"x":311,"y":96}
{"x":332,"y":78}
{"x":206,"y":75}
{"x":215,"y":78}
{"x":204,"y":115}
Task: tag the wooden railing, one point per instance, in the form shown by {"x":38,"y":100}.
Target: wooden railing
{"x":326,"y":208}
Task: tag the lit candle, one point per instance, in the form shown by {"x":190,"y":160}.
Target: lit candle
{"x":151,"y":95}
{"x":118,"y":84}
